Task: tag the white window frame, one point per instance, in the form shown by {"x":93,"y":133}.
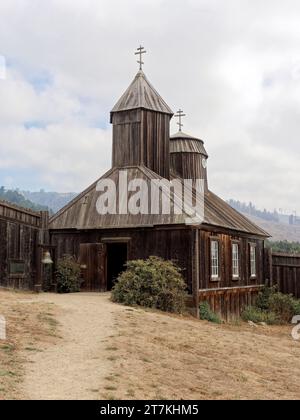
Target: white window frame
{"x":253,"y":261}
{"x":215,"y":259}
{"x":236,"y":261}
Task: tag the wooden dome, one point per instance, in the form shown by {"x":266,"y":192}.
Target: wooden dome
{"x":188,"y":157}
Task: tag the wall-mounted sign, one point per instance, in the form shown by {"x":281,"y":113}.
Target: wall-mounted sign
{"x":16,"y":267}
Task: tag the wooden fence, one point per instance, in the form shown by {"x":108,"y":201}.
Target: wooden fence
{"x":283,"y":271}
{"x":21,"y":232}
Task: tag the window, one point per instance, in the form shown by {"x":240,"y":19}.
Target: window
{"x":215,"y":263}
{"x":253,"y":260}
{"x":235,"y":261}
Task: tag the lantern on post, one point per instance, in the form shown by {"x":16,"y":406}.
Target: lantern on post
{"x":47,"y":260}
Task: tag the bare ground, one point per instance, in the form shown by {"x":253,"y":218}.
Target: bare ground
{"x":83,"y":346}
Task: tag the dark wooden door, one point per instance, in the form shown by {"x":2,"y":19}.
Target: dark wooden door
{"x":93,"y":266}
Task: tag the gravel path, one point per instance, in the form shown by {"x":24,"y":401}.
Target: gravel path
{"x":75,"y":368}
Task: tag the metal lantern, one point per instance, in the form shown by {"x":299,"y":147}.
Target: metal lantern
{"x":47,"y":260}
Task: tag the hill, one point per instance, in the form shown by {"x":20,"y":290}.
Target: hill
{"x":275,"y":223}
{"x":16,"y":197}
{"x":279,"y":231}
{"x":52,"y":200}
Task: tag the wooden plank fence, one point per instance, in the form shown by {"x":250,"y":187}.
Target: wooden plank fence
{"x":283,"y":271}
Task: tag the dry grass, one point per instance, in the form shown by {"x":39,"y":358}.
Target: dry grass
{"x":167,"y":357}
{"x":28,"y":325}
{"x":141,"y":354}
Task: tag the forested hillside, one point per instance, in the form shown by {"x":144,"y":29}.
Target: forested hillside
{"x":253,"y":211}
{"x":53,"y":200}
{"x":16,"y":197}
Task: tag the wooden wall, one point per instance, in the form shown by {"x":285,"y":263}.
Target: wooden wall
{"x":141,"y":137}
{"x":226,"y":279}
{"x":189,"y":166}
{"x":227,"y":296}
{"x":168,"y":243}
{"x":20,"y":233}
{"x":228,"y":303}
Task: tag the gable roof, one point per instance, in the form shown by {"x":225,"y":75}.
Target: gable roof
{"x":81,"y":213}
{"x":141,"y":94}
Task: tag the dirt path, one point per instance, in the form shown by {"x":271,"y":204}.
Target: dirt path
{"x":76,"y":367}
{"x":100,"y":350}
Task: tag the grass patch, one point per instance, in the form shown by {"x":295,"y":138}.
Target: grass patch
{"x":8,"y":348}
{"x":272,"y":308}
{"x":110,"y":388}
{"x":206,"y":314}
{"x":28,"y":323}
{"x":112,"y":348}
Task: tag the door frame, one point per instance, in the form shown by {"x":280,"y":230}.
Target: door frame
{"x":115,"y":240}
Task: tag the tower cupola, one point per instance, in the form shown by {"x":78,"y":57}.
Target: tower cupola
{"x":141,"y":128}
{"x":188,"y":157}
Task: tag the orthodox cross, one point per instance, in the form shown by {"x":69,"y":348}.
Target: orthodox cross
{"x":179,"y":115}
{"x":140,"y":52}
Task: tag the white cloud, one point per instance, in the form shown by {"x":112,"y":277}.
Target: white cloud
{"x":233,"y":66}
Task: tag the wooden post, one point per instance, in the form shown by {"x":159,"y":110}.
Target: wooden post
{"x":268,"y":267}
{"x":44,"y":229}
{"x":195,"y":281}
{"x":39,"y":268}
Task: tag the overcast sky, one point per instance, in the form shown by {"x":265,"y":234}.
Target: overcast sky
{"x":232,"y":65}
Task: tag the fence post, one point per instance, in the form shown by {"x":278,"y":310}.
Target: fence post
{"x":268,"y":269}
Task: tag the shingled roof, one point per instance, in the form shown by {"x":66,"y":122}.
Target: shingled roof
{"x":184,"y":143}
{"x":141,"y":94}
{"x":81,"y":213}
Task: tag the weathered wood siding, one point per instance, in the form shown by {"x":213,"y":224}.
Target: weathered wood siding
{"x":141,"y":137}
{"x":229,"y":303}
{"x":228,"y":296}
{"x":189,"y":166}
{"x":283,"y":270}
{"x":173,"y":244}
{"x":19,"y":237}
{"x":226,"y":278}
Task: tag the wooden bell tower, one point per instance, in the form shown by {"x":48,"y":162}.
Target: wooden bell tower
{"x":141,"y":127}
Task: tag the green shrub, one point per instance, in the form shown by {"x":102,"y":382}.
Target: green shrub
{"x":284,"y":306}
{"x":205,"y":313}
{"x":296,"y":307}
{"x":68,"y":275}
{"x":257,"y":315}
{"x":153,"y":283}
{"x":263,"y":299}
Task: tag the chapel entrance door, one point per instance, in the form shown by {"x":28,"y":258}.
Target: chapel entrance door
{"x":93,"y":267}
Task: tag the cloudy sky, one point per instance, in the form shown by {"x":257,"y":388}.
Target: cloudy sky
{"x":233,"y":66}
